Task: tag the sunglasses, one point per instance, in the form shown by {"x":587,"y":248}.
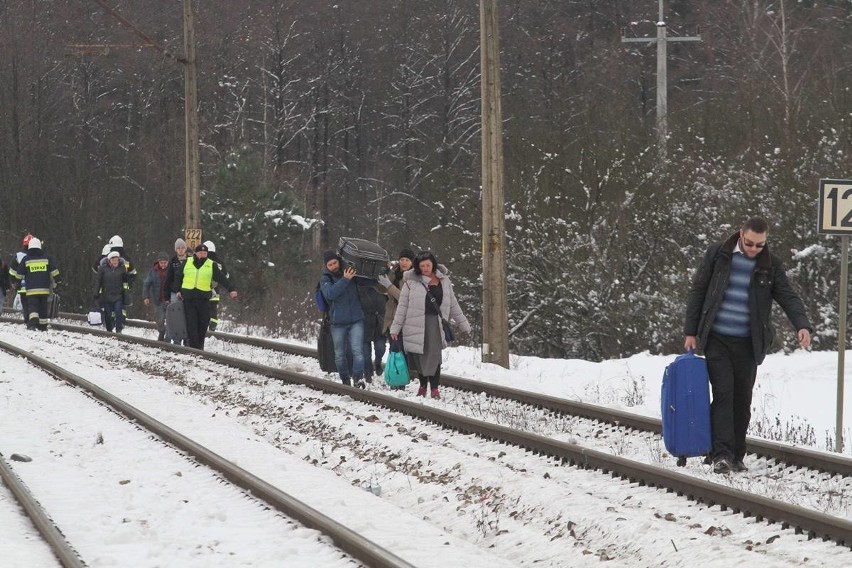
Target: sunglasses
{"x":753,"y":245}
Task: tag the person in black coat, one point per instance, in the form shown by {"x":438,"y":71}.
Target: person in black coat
{"x":195,"y":279}
{"x":373,"y":305}
{"x":109,"y":290}
{"x":728,"y":317}
{"x":39,"y":271}
{"x":174,"y":265}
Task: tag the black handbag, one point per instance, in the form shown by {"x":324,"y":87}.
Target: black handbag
{"x":448,"y":331}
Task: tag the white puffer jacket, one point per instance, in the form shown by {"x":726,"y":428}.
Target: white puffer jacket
{"x":410,"y":318}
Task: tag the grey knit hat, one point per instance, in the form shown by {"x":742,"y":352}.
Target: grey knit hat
{"x":180,"y":243}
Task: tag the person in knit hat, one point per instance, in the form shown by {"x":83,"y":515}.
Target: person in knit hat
{"x":174,"y":266}
{"x":391,"y":282}
{"x":156,"y":294}
{"x":339,"y":288}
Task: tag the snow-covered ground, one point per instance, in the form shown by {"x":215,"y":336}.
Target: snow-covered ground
{"x":445,"y":499}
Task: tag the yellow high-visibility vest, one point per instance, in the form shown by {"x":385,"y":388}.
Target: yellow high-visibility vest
{"x":198,"y":278}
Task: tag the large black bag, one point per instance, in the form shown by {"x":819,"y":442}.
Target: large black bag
{"x":53,"y":303}
{"x":325,"y":346}
{"x":367,"y":258}
{"x":176,"y":321}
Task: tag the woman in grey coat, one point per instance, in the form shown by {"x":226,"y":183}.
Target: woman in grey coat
{"x":426,"y":296}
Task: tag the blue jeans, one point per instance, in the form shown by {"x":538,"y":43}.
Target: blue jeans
{"x":113,"y":316}
{"x":351,"y":335}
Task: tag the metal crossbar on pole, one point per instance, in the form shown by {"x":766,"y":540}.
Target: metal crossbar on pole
{"x":661,"y":40}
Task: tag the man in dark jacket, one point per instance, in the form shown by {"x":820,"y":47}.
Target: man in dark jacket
{"x":728,"y":317}
{"x":195,"y":281}
{"x":347,"y":319}
{"x":155,"y":293}
{"x":174,"y":265}
{"x":41,"y":275}
{"x":110,"y":284}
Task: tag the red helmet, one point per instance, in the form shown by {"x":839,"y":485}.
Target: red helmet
{"x":27,"y":240}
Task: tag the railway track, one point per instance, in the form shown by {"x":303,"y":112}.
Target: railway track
{"x":344,"y":538}
{"x":784,"y":455}
{"x":802,"y":520}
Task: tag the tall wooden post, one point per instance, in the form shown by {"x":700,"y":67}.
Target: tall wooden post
{"x":495,"y":319}
{"x":193,"y":159}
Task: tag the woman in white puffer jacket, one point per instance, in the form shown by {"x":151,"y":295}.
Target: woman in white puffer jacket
{"x":426,"y":296}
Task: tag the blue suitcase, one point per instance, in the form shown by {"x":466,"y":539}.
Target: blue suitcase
{"x":685,"y":406}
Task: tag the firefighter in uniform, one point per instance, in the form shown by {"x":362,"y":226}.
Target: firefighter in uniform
{"x":214,"y":299}
{"x":40,"y":273}
{"x":195,"y":280}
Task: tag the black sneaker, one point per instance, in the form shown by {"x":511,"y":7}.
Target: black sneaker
{"x":360,"y":382}
{"x":739,"y":466}
{"x":346,"y":381}
{"x":379,"y":368}
{"x":722,"y":465}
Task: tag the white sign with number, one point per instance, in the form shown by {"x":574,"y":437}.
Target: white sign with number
{"x":835,"y":206}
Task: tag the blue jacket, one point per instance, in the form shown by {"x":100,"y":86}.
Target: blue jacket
{"x":342,"y":294}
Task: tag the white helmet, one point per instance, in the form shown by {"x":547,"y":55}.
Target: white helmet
{"x":116,"y":241}
{"x":210,"y":246}
{"x":34,"y":243}
{"x":106,"y":249}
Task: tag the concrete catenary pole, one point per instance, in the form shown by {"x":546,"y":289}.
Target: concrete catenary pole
{"x":662,"y":40}
{"x":495,"y":319}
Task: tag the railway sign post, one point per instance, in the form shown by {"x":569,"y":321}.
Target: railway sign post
{"x":835,"y":218}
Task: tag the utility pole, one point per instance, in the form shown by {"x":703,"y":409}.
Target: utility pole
{"x":495,"y":317}
{"x":662,"y":100}
{"x":192,"y":229}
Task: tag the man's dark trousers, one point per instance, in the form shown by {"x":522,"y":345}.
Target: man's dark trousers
{"x":197,"y":310}
{"x":730,"y":362}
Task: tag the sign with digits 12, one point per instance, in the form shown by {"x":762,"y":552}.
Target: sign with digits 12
{"x":835,"y":218}
{"x":835,"y":207}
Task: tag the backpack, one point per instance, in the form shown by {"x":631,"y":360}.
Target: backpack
{"x":322,"y":303}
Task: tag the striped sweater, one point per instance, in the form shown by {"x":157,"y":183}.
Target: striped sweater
{"x":733,"y":316}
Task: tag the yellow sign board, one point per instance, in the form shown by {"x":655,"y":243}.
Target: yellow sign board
{"x":192,"y":238}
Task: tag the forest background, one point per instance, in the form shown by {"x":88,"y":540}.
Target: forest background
{"x":362,"y":118}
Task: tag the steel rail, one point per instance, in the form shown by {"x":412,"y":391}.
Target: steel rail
{"x":343,"y":537}
{"x":60,"y":547}
{"x":812,"y":523}
{"x":826,"y":462}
